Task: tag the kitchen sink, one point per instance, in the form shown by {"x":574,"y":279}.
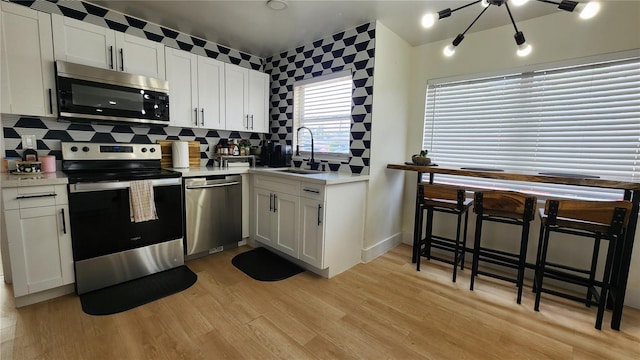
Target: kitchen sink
{"x":299,"y":171}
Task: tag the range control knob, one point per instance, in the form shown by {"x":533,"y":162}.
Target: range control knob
{"x":144,"y":150}
{"x":74,"y":148}
{"x":85,"y":148}
{"x":152,"y":150}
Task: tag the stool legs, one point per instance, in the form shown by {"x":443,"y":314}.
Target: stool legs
{"x":540,"y":267}
{"x":524,"y":241}
{"x":476,"y":251}
{"x":605,"y":284}
{"x":592,"y":272}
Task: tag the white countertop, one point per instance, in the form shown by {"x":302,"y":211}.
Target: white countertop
{"x":12,"y":180}
{"x":327,"y":178}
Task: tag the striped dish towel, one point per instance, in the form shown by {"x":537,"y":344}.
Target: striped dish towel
{"x":142,"y":206}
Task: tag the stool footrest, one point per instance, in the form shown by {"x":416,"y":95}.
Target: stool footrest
{"x":571,"y":278}
{"x":571,"y":297}
{"x":497,"y":276}
{"x":566,"y":267}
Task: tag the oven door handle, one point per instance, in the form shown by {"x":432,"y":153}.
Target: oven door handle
{"x":116,"y":185}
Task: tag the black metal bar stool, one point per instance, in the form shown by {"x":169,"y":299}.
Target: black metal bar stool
{"x":507,"y":207}
{"x":599,"y":220}
{"x":447,"y":199}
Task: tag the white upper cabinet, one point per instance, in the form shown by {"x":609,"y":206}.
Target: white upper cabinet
{"x":140,"y":56}
{"x":26,"y":61}
{"x":196,"y":90}
{"x":88,"y":44}
{"x":247,"y":104}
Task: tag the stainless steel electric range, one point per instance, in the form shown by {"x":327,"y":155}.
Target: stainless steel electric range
{"x":108,"y":246}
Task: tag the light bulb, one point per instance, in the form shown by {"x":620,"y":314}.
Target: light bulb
{"x":524,"y":49}
{"x":428,"y":20}
{"x":449,"y":50}
{"x":484,"y":3}
{"x":588,"y":10}
{"x":518,"y":2}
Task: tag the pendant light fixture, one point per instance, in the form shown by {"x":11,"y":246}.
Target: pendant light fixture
{"x":586,"y":10}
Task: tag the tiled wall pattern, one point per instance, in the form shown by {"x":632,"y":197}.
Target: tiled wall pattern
{"x":50,"y":133}
{"x":349,"y":50}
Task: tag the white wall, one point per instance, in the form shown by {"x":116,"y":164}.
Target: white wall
{"x":383,"y":223}
{"x":555,"y":37}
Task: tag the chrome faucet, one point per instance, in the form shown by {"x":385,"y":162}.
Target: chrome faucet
{"x":312,"y":162}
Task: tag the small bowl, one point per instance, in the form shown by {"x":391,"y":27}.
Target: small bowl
{"x":420,"y":160}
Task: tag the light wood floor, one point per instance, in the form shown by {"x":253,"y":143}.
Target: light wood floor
{"x":381,"y":310}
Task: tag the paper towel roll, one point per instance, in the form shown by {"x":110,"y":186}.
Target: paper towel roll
{"x":180,"y":154}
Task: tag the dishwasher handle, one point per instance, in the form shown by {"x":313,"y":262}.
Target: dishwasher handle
{"x":212,"y":185}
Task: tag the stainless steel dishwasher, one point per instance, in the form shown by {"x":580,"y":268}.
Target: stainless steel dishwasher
{"x":213,"y":213}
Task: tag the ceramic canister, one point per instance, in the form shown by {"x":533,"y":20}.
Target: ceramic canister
{"x":48,"y":163}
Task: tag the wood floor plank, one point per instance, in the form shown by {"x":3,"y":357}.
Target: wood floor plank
{"x":381,"y":310}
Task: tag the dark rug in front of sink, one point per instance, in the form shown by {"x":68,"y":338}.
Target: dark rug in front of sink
{"x":263,"y":265}
{"x":131,"y":294}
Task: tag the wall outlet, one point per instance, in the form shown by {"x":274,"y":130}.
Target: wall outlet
{"x":29,"y":142}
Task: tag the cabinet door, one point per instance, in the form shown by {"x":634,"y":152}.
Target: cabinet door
{"x":211,"y":93}
{"x":312,"y":232}
{"x":83,"y":43}
{"x":263,"y":216}
{"x":286,"y":230}
{"x":139,"y":56}
{"x":26,"y":60}
{"x":182,"y":72}
{"x":258,"y":102}
{"x":237,"y":93}
{"x":40,"y":248}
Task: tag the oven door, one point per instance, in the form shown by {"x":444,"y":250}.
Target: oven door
{"x":101,"y":222}
{"x":108,"y":248}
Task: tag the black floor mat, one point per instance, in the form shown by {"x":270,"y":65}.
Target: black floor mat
{"x":128,"y":295}
{"x":261,"y":264}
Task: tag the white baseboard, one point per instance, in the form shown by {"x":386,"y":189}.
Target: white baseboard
{"x":381,"y":247}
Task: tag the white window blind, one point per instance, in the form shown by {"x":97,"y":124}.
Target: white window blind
{"x":324,"y":106}
{"x":582,"y":119}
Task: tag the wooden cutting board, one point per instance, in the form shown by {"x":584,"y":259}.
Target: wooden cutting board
{"x":167,"y":154}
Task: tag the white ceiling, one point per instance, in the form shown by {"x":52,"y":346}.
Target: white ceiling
{"x":250,"y":26}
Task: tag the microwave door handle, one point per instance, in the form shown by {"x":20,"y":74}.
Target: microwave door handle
{"x":111,"y":57}
{"x":121,"y":59}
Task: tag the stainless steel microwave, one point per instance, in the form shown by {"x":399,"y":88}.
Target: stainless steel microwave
{"x":92,"y":94}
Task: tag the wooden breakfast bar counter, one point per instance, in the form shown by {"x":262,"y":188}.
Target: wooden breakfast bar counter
{"x":628,"y":186}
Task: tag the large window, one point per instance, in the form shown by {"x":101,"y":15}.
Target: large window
{"x":323,"y":105}
{"x":579,"y":119}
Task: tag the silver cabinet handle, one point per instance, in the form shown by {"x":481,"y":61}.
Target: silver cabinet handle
{"x":311,"y":190}
{"x":50,"y":102}
{"x":247,"y":127}
{"x":196,"y":111}
{"x":64,"y":223}
{"x":111,"y":57}
{"x":270,"y":202}
{"x":275,"y":203}
{"x":121,"y":59}
{"x":319,"y":215}
{"x":251,"y":121}
{"x":202,"y":118}
{"x":35,"y":196}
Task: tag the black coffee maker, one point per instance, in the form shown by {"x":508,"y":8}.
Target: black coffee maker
{"x":274,"y":154}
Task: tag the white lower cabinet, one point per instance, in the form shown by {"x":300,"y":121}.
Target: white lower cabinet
{"x":276,"y":219}
{"x":312,"y":232}
{"x":320,"y":225}
{"x":39,"y":238}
